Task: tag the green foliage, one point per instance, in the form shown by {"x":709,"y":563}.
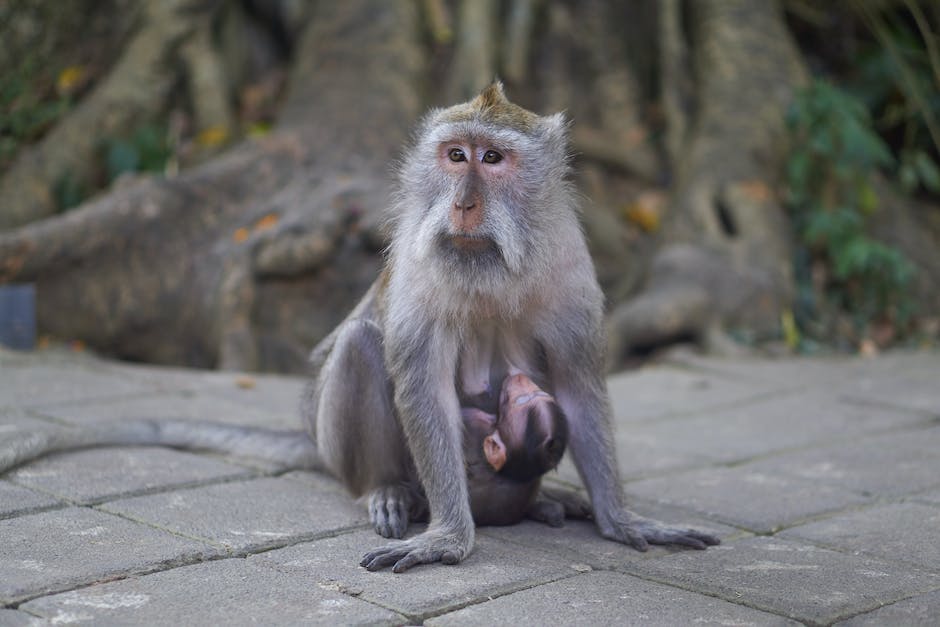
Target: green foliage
{"x":145,"y":150}
{"x":69,"y":192}
{"x":834,"y":156}
{"x":26,"y":109}
{"x":896,"y":77}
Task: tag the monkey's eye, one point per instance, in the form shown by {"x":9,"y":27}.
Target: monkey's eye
{"x":456,"y":155}
{"x":491,"y":156}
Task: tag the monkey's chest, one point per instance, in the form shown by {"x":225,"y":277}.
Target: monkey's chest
{"x":487,"y":357}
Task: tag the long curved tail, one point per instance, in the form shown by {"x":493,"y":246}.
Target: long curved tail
{"x":291,"y":449}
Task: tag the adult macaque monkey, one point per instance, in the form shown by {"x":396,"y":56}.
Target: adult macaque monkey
{"x":488,"y":274}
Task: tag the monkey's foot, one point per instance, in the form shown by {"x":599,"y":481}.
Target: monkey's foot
{"x":639,"y":532}
{"x":434,"y":545}
{"x":554,"y":505}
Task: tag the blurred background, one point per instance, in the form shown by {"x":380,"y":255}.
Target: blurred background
{"x":204,"y":182}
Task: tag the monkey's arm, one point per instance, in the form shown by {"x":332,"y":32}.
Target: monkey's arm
{"x":575,"y":357}
{"x":421,"y":361}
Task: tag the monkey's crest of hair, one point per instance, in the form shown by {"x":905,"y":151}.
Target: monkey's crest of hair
{"x":492,"y":106}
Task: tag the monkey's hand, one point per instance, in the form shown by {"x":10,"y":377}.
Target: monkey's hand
{"x":391,"y":508}
{"x":434,"y":545}
{"x":626,"y":527}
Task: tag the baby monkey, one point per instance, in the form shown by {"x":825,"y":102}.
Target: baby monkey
{"x":507,"y":454}
{"x":508,"y":447}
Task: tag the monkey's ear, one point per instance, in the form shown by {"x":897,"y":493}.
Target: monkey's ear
{"x":495,"y":451}
{"x":555,"y":128}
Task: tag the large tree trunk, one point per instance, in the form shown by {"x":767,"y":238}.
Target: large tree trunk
{"x":245,"y":262}
{"x":725,"y":258}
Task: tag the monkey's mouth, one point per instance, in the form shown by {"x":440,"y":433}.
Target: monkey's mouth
{"x":469,"y":252}
{"x":471,"y":243}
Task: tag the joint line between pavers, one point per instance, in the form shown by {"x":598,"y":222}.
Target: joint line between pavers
{"x":707,"y":593}
{"x":497,"y":593}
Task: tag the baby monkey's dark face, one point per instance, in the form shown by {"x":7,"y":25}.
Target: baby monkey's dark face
{"x":528,"y":436}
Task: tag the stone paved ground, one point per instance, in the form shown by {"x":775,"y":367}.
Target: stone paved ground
{"x":821,"y":476}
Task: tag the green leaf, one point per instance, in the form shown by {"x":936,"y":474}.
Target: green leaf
{"x":907,"y":176}
{"x":927,"y":171}
{"x":867,"y":198}
{"x":122,"y":156}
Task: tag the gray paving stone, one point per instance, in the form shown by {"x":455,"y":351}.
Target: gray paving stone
{"x":181,"y":405}
{"x":580,"y":543}
{"x":10,"y":357}
{"x":907,"y":532}
{"x":61,"y":549}
{"x":605,"y":598}
{"x":892,"y":464}
{"x":16,"y":500}
{"x":41,"y":384}
{"x":763,"y":427}
{"x":796,"y":580}
{"x":786,"y":372}
{"x":931,"y":496}
{"x":662,"y":390}
{"x":915,"y":389}
{"x":93,"y":476}
{"x":223,"y":592}
{"x":14,"y":618}
{"x":14,"y":419}
{"x":900,"y":361}
{"x":250,"y":515}
{"x":269,"y":392}
{"x":639,"y":456}
{"x":760,"y":502}
{"x":644,"y":451}
{"x":493,"y":568}
{"x":922,"y":609}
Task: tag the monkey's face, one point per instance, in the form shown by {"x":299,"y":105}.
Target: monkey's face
{"x":476,"y":220}
{"x":533,"y":428}
{"x":480,"y":184}
{"x":478,"y":172}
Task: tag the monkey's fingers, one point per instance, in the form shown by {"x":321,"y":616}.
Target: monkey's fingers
{"x":388,"y":511}
{"x":401,"y":558}
{"x":423,"y":557}
{"x":431,"y":546}
{"x":656,"y":533}
{"x":385,"y":556}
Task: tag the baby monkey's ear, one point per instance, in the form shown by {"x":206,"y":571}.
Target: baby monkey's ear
{"x":495,"y":451}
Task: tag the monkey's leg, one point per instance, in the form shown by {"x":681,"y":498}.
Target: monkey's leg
{"x":357,"y":435}
{"x":423,"y":362}
{"x":576,"y":368}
